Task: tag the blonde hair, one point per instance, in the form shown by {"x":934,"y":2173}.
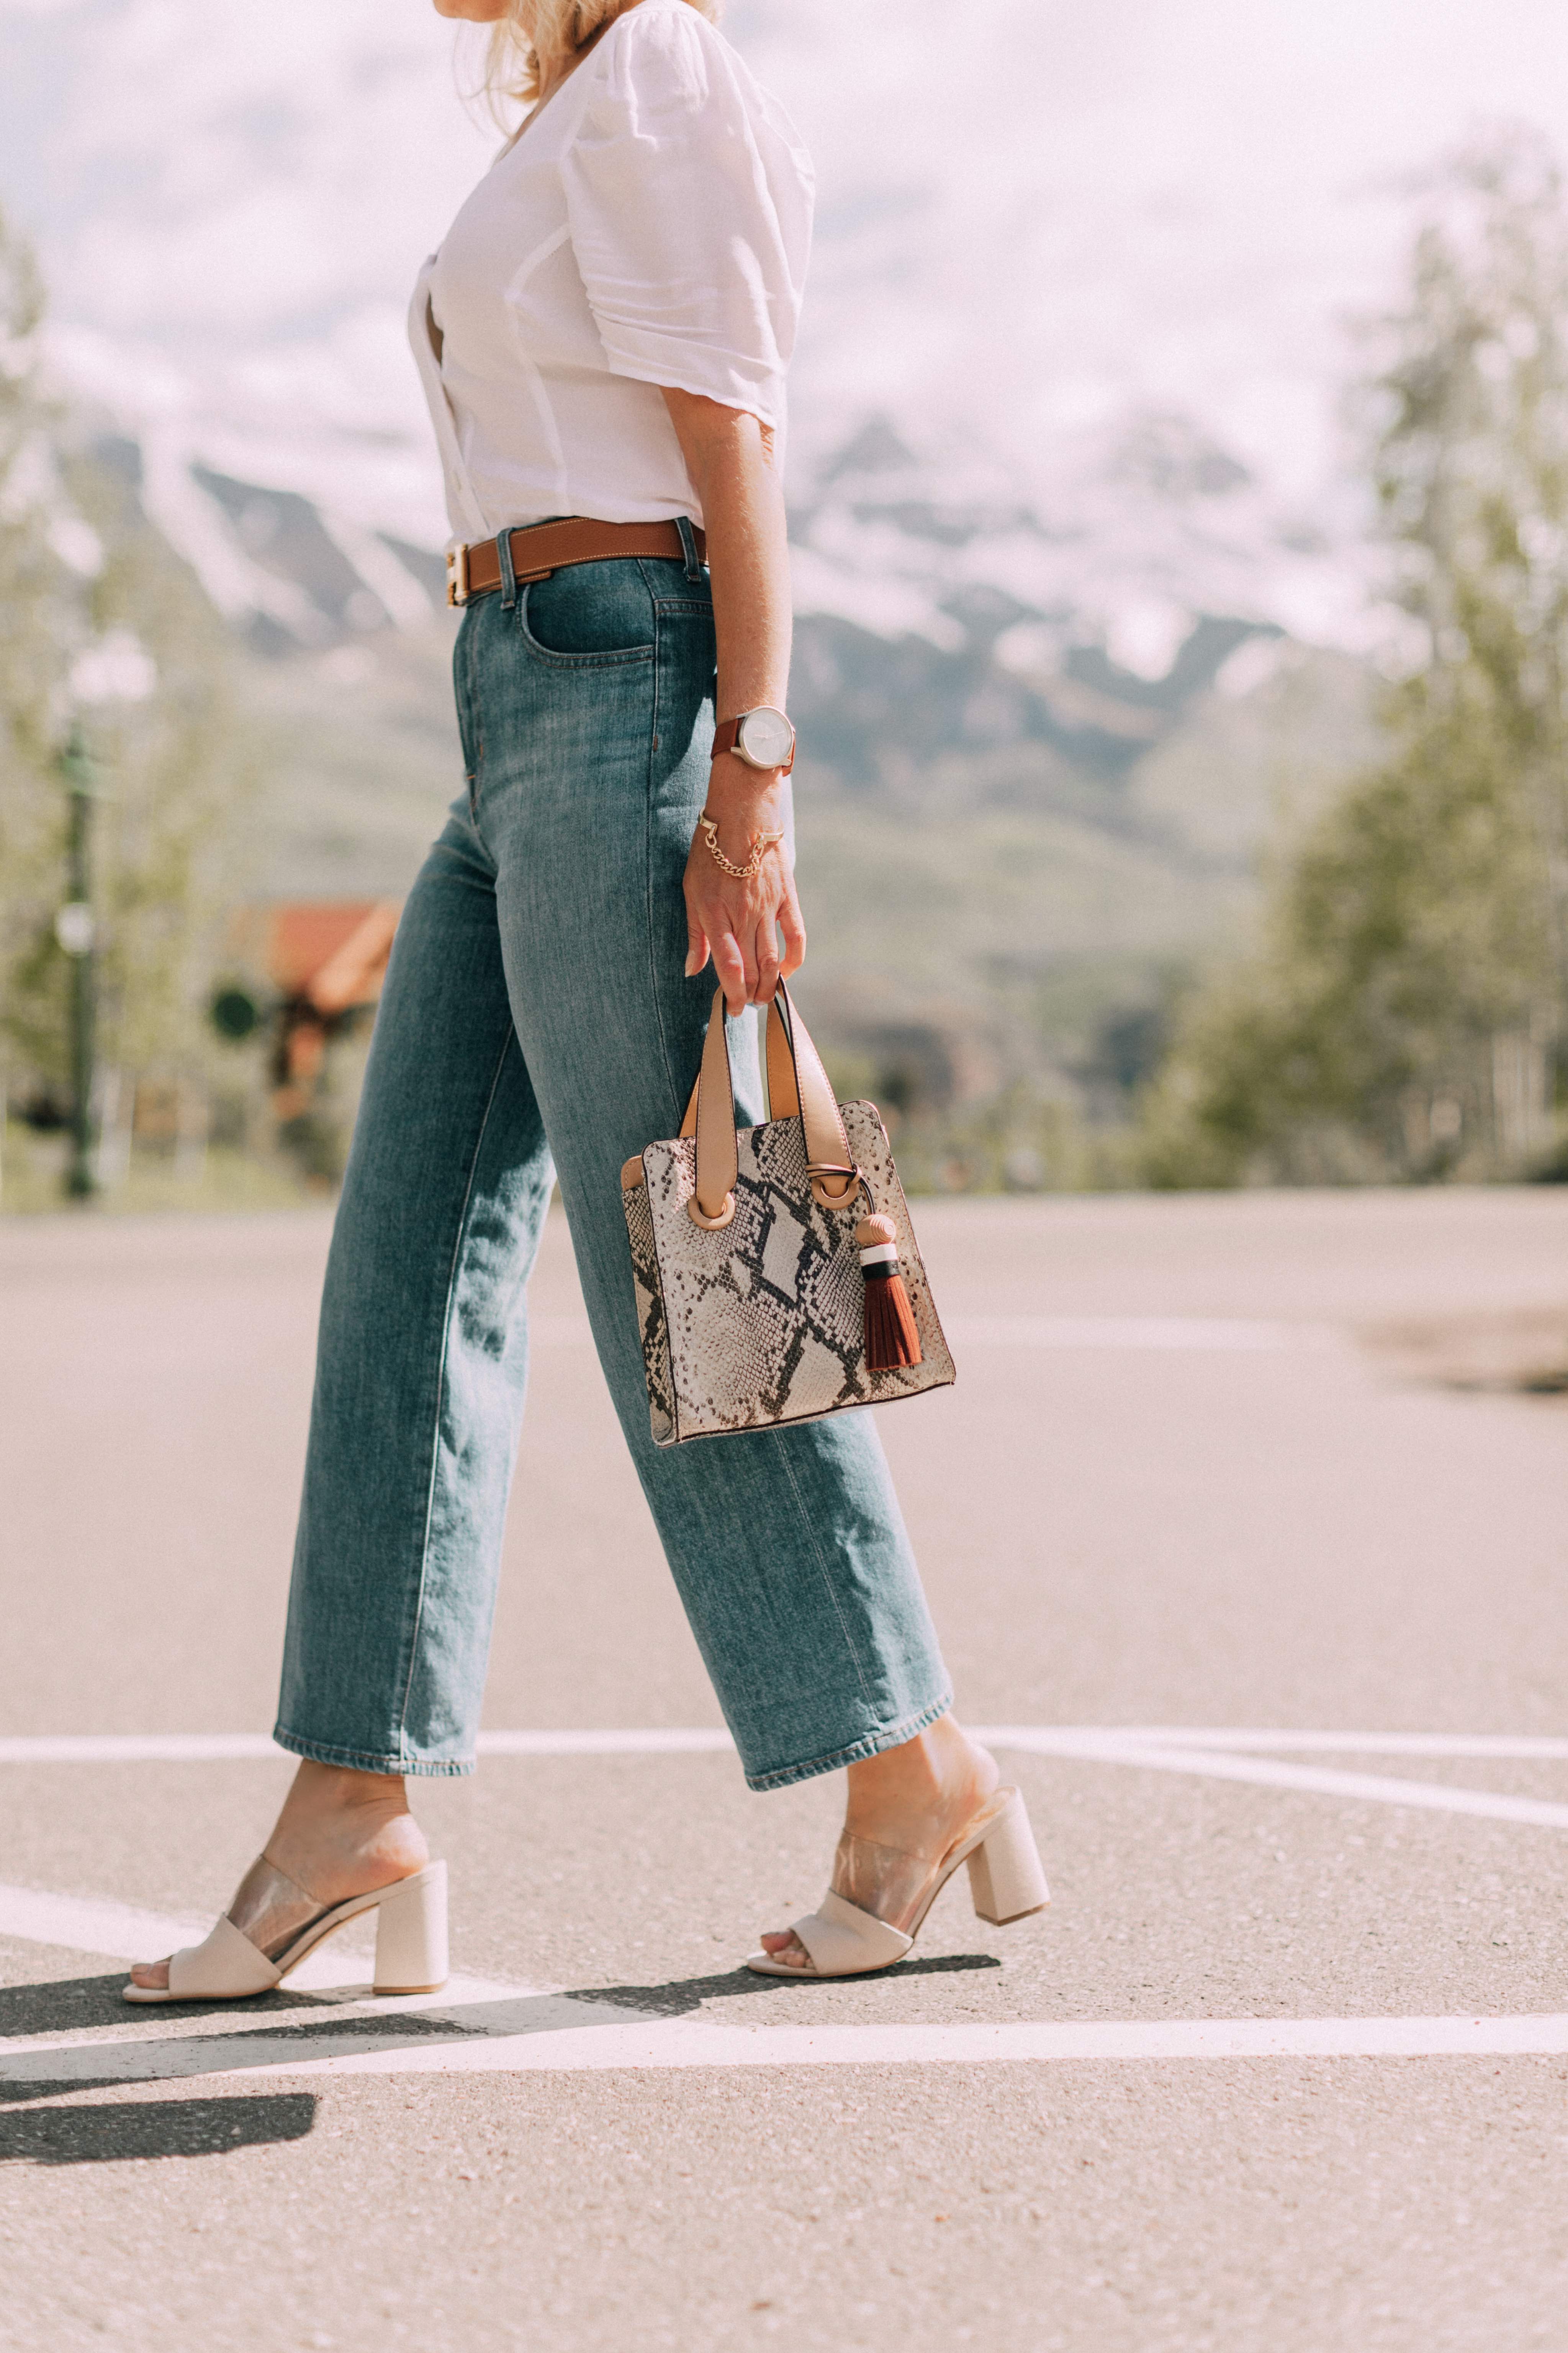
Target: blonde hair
{"x":561,"y":27}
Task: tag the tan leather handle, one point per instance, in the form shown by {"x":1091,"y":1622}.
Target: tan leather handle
{"x":717,"y":1163}
{"x":835,"y":1179}
{"x":798,"y":1088}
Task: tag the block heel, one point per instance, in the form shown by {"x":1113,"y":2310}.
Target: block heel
{"x":411,"y":1934}
{"x":1005,"y":1877}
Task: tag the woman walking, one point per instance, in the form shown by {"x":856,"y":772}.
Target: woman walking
{"x":602,"y":337}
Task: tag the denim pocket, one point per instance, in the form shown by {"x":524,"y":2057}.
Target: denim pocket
{"x":588,"y":615}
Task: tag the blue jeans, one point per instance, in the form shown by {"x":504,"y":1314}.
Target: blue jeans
{"x":536,"y":1021}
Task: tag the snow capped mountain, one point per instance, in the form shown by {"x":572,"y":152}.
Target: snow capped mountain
{"x":938,"y":605}
{"x":1099,"y":607}
{"x":1063,"y":403}
{"x":1126,"y":531}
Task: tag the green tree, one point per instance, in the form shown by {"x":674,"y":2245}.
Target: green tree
{"x":40,"y":620}
{"x":101,"y":622}
{"x":1401,"y":1012}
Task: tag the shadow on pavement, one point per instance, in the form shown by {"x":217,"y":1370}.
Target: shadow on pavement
{"x":683,"y":1995}
{"x":46,"y":2073}
{"x":63,"y":2005}
{"x":155,"y":2128}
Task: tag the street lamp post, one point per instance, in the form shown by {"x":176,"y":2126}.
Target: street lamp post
{"x":115,"y":669}
{"x":76,"y":931}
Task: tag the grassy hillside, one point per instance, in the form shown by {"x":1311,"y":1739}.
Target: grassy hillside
{"x":361,"y":757}
{"x":995,"y":918}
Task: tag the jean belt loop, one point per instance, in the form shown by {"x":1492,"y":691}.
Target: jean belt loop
{"x":507,"y":575}
{"x":689,"y":547}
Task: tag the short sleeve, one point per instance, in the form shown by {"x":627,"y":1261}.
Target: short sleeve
{"x":689,"y":197}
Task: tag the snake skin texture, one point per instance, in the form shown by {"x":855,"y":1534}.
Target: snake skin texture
{"x":764,"y":1321}
{"x":652,"y":1329}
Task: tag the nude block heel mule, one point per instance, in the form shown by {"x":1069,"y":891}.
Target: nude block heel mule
{"x":274,"y":1922}
{"x":1006,"y":1880}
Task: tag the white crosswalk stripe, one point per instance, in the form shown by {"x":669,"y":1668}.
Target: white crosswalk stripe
{"x":334,"y":2027}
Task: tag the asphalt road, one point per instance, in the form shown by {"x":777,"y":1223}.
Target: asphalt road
{"x":1285,"y":2064}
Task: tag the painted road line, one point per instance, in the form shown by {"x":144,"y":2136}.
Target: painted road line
{"x":681,"y":2044}
{"x":569,"y":2033}
{"x":1087,"y":1743}
{"x":1548,"y":1747}
{"x":1360,"y":1788}
{"x":1204,"y":1333}
{"x":700,"y":1741}
{"x":1043,"y":1739}
{"x":217,"y":1748}
{"x":476,"y":2023}
{"x":134,"y":1747}
{"x":85,"y":1923}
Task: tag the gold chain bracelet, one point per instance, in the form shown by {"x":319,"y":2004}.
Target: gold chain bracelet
{"x":760,"y":842}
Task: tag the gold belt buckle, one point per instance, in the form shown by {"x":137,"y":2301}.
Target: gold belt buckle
{"x":458,"y":575}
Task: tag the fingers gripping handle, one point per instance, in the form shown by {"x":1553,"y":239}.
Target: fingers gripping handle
{"x":798,"y":1088}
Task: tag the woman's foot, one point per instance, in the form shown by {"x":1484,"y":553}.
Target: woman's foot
{"x":905,"y":1810}
{"x":340,"y":1835}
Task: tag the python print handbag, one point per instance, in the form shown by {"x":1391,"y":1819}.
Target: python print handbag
{"x":776,"y":1271}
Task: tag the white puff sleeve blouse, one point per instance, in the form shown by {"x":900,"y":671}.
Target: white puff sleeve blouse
{"x":651,"y":227}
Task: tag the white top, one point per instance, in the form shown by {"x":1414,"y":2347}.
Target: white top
{"x":651,"y":227}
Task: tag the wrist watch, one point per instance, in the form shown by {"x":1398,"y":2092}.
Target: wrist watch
{"x":764,"y":738}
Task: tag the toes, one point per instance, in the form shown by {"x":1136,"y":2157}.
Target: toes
{"x":784,"y":1945}
{"x":152,"y":1975}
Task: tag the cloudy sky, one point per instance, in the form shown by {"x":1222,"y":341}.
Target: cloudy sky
{"x":1034,"y":216}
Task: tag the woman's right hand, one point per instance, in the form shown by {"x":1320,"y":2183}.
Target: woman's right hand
{"x":738,"y":922}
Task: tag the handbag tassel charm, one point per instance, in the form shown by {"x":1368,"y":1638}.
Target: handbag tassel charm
{"x":893,"y":1339}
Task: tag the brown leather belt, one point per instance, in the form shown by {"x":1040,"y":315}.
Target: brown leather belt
{"x":538,"y":549}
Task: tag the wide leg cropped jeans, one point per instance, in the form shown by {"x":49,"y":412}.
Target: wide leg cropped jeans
{"x":536,"y":1022}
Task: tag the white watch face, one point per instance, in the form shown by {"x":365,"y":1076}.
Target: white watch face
{"x":765,"y":737}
